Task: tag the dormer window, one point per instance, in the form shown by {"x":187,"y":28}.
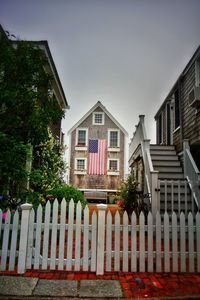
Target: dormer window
{"x":98,"y":118}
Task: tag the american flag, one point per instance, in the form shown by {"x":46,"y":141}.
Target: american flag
{"x":97,"y":157}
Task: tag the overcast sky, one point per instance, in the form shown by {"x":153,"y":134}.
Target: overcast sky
{"x":125,"y":53}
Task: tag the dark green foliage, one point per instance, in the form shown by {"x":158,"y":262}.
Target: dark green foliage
{"x":27,"y":105}
{"x":132,"y":200}
{"x":12,"y":166}
{"x":48,"y":166}
{"x":27,"y":109}
{"x":68,"y":192}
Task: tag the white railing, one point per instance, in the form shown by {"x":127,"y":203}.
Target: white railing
{"x":151,"y":176}
{"x":191,"y":172}
{"x":50,"y":238}
{"x":176,"y":196}
{"x":138,"y":136}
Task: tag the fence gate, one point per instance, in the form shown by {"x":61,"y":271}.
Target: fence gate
{"x":66,"y":237}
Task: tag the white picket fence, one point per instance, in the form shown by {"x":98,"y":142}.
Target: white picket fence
{"x":66,"y":237}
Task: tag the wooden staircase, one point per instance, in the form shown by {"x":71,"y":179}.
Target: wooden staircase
{"x":175,"y":194}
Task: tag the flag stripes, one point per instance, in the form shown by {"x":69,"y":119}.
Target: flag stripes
{"x":97,"y":157}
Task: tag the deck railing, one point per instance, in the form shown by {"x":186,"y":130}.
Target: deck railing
{"x":191,"y":172}
{"x":138,"y":136}
{"x":150,"y":175}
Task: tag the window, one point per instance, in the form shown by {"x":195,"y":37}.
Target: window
{"x":98,"y":118}
{"x":81,"y":136}
{"x":80,"y":166}
{"x":113,"y":138}
{"x":113,"y":165}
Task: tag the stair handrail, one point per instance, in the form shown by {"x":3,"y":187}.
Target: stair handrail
{"x":191,"y":172}
{"x":151,"y":177}
{"x":138,"y":136}
{"x":148,"y":167}
{"x":139,"y":139}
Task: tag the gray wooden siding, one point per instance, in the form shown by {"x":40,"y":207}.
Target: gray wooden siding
{"x":190,"y":118}
{"x":97,"y":132}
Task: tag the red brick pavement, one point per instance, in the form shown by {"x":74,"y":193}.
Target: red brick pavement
{"x":134,"y":285}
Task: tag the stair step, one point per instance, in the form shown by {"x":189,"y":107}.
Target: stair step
{"x":163,"y":152}
{"x":170,"y":175}
{"x":168,"y":169}
{"x":162,"y":147}
{"x":164,"y":157}
{"x":173,"y":163}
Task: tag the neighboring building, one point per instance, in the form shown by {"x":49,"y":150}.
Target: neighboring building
{"x":97,"y":150}
{"x":179,"y":116}
{"x":57,"y":89}
{"x":169,"y":170}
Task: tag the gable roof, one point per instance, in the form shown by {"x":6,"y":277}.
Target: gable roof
{"x":98,"y":104}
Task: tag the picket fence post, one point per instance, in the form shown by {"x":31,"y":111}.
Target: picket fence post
{"x":101,"y":238}
{"x":26,"y":209}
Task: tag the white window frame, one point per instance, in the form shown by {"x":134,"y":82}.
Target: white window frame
{"x":80,"y":171}
{"x":84,"y":147}
{"x":113,"y":172}
{"x":98,"y":113}
{"x":117,"y":148}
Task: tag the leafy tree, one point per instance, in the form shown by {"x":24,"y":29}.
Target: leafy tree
{"x":27,"y":109}
{"x":12,"y":167}
{"x":48,"y":166}
{"x":27,"y":103}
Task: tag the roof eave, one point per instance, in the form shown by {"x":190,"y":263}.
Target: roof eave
{"x":185,"y":70}
{"x":98,"y":104}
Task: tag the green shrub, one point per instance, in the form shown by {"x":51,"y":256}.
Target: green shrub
{"x":68,"y":192}
{"x":131,"y":199}
{"x":34,"y":198}
{"x":13,"y":203}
